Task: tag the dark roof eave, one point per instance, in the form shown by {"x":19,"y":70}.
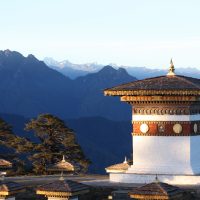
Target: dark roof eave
{"x":181,"y":92}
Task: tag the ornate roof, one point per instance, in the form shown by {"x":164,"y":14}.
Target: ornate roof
{"x":5,"y":164}
{"x":62,"y":188}
{"x":120,"y":167}
{"x":170,"y":84}
{"x":8,"y":188}
{"x":63,"y":165}
{"x":158,"y":189}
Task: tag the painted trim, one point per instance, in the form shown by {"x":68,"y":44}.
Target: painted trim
{"x":165,"y":118}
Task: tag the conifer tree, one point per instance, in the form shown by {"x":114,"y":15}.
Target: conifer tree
{"x":14,"y":145}
{"x":56,"y":139}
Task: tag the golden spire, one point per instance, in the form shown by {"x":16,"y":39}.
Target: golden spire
{"x":125,"y":160}
{"x":156,"y":179}
{"x":171,"y":69}
{"x":63,"y":159}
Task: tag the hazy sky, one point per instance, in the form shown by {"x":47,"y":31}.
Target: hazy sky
{"x":125,"y":32}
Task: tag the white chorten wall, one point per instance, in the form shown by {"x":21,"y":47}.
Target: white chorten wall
{"x":166,"y":155}
{"x":154,"y":118}
{"x":59,"y":198}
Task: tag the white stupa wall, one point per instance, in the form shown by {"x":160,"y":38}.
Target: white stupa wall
{"x":165,"y":118}
{"x":60,"y":198}
{"x":166,"y":155}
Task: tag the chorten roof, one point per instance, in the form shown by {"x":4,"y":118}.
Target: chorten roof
{"x":170,"y":84}
{"x":158,"y":85}
{"x":9,"y":188}
{"x":120,"y":167}
{"x":63,"y":165}
{"x":5,"y":164}
{"x":156,"y":189}
{"x":62,"y":188}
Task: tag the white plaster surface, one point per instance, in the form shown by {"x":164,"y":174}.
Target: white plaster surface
{"x":166,"y":117}
{"x":148,"y":178}
{"x":7,"y":198}
{"x":174,"y":155}
{"x":58,"y":198}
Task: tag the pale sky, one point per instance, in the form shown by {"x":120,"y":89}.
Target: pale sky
{"x":126,"y":32}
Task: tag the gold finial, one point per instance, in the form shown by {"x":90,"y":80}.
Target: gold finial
{"x":61,"y":176}
{"x":63,"y":159}
{"x":125,"y":160}
{"x":171,"y":69}
{"x":156,"y":179}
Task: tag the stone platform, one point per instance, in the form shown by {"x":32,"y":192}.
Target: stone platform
{"x":148,"y":178}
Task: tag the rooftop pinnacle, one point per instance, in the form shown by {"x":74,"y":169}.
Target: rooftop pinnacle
{"x":171,"y":69}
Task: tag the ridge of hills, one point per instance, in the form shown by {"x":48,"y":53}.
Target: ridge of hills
{"x":28,"y":87}
{"x":75,"y":70}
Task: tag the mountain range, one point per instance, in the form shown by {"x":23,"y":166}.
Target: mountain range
{"x":28,"y":87}
{"x":75,"y":70}
{"x":72,"y":70}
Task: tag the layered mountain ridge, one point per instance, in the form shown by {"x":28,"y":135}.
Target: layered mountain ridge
{"x":75,"y":70}
{"x":28,"y":87}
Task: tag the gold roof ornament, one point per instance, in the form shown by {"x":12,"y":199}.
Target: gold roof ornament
{"x":156,"y":179}
{"x":125,"y":160}
{"x":63,"y":159}
{"x":171,"y":69}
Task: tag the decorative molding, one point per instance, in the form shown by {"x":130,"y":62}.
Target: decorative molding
{"x":167,"y":129}
{"x":159,"y":110}
{"x":161,"y":98}
{"x":151,"y":92}
{"x":167,"y":135}
{"x":164,"y":122}
{"x":166,"y":117}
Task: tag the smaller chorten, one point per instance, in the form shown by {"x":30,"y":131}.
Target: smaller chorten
{"x":62,"y":166}
{"x":8,"y":190}
{"x":120,"y":167}
{"x":4,"y":167}
{"x":62,"y":190}
{"x":157,"y":191}
{"x":171,"y":69}
{"x":4,"y":164}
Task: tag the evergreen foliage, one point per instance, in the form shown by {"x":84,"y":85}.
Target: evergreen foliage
{"x":12,"y":147}
{"x":56,"y":139}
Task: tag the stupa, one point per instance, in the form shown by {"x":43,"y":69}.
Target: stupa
{"x":62,"y":190}
{"x":5,"y":164}
{"x":166,"y":129}
{"x":8,"y":190}
{"x":157,"y":191}
{"x":62,"y":166}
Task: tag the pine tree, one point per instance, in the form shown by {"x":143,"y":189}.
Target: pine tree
{"x":15,"y":145}
{"x":56,"y":139}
